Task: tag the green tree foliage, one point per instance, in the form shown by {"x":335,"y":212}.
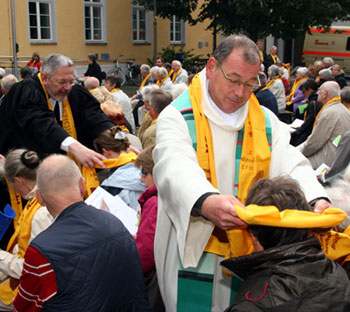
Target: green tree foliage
{"x":257,"y":18}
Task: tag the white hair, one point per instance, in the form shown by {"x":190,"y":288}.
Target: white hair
{"x":163,"y":72}
{"x":2,"y":72}
{"x":147,"y":91}
{"x":303,"y":71}
{"x":8,"y":82}
{"x":145,"y":68}
{"x":155,"y":70}
{"x":53,"y":61}
{"x":178,"y":63}
{"x":328,"y":60}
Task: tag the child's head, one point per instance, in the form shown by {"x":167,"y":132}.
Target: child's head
{"x":112,"y":139}
{"x":284,"y":193}
{"x":145,"y":162}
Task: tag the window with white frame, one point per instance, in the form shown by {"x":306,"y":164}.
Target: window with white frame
{"x":42,"y":21}
{"x":141,"y":24}
{"x":177,"y":31}
{"x":95,"y":18}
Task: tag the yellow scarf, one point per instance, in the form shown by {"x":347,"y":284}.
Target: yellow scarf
{"x":154,"y":121}
{"x":144,"y":81}
{"x":115,"y":89}
{"x":170,"y":73}
{"x":271,"y":82}
{"x":175,"y":74}
{"x":336,"y":245}
{"x":275,"y":58}
{"x":295,"y":86}
{"x":261,"y":55}
{"x":16,"y":204}
{"x":255,"y":146}
{"x":329,"y":102}
{"x":160,"y":82}
{"x":69,"y":126}
{"x":93,"y":183}
{"x":21,"y":237}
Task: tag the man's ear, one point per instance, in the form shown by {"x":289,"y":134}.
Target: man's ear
{"x":44,"y":77}
{"x":18,"y":180}
{"x":82,"y":187}
{"x":211,"y":67}
{"x":39,"y":198}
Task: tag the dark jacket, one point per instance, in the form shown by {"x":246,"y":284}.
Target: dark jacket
{"x":266,"y":98}
{"x":95,"y":261}
{"x":340,"y":79}
{"x":301,"y":134}
{"x":290,"y":278}
{"x":94,"y":70}
{"x":26,"y":121}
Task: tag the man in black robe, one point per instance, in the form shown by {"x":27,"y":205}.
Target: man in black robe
{"x":27,"y":121}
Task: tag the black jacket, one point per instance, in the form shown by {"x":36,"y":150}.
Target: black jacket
{"x":26,"y":120}
{"x":340,"y":79}
{"x":290,"y":278}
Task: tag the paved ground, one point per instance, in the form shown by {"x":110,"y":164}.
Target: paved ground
{"x":129,"y":90}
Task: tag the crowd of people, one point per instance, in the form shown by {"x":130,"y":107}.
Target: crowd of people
{"x":232,"y":214}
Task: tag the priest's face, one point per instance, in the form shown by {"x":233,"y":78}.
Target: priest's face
{"x":60,"y":83}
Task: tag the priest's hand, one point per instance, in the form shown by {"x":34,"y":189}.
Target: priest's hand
{"x":322,"y":205}
{"x":221,"y":211}
{"x":87,"y":157}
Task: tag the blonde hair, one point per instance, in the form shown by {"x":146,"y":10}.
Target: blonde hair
{"x":102,"y":94}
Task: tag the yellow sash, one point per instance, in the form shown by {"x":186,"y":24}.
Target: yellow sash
{"x":16,"y":204}
{"x":271,"y":82}
{"x":254,"y":164}
{"x":170,"y":73}
{"x":275,"y":58}
{"x":123,"y":159}
{"x":21,"y":237}
{"x":69,"y":126}
{"x":115,"y":89}
{"x":144,"y":81}
{"x":295,"y":86}
{"x":261,"y":55}
{"x":329,"y":102}
{"x":175,"y":74}
{"x":160,"y":82}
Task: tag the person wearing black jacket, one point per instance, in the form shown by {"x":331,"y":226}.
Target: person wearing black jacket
{"x":339,"y":76}
{"x":94,"y":70}
{"x":309,"y":88}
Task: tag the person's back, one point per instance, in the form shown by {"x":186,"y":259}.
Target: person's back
{"x":95,"y":261}
{"x":289,"y":271}
{"x":266,"y":98}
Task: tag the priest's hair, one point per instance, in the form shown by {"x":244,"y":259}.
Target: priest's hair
{"x":55,"y":60}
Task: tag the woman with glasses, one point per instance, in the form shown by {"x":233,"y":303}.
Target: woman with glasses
{"x":124,"y":177}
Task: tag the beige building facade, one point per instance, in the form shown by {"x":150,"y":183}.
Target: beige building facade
{"x":108,"y":28}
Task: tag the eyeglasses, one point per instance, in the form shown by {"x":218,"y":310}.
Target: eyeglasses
{"x":143,"y":172}
{"x":237,"y":83}
{"x":64,"y":82}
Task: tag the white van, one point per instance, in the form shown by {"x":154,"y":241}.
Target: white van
{"x":334,"y":43}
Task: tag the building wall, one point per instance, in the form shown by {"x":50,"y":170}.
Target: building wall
{"x":70,"y":33}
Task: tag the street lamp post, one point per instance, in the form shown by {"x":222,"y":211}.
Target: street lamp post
{"x":13,"y":22}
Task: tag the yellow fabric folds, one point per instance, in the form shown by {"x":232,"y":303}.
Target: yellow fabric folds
{"x":254,"y":164}
{"x":291,"y":94}
{"x":329,"y":102}
{"x":175,"y":74}
{"x":160,"y":82}
{"x":144,"y":81}
{"x":301,"y":219}
{"x":92,"y":182}
{"x":21,"y":236}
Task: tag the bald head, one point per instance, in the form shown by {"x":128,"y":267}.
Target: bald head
{"x":328,"y":91}
{"x":59,"y":182}
{"x":91,"y":83}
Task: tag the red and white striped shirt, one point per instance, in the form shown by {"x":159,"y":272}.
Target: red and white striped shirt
{"x":37,"y":284}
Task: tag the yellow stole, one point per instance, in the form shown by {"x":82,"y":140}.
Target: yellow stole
{"x":329,"y":102}
{"x":68,"y":125}
{"x":261,"y":55}
{"x":275,"y":58}
{"x":16,"y":204}
{"x":271,"y":82}
{"x":160,"y":82}
{"x":295,"y":86}
{"x":115,"y":89}
{"x":123,"y":159}
{"x":170,"y":73}
{"x":175,"y":74}
{"x":254,"y":164}
{"x":144,"y":81}
{"x":21,"y":237}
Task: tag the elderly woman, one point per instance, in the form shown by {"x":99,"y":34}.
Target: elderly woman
{"x":164,"y":81}
{"x":19,"y":168}
{"x":275,"y":85}
{"x":296,"y":96}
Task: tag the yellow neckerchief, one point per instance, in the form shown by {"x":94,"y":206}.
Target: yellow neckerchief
{"x":175,"y":74}
{"x":21,"y":237}
{"x":16,"y":204}
{"x":170,"y":73}
{"x":336,"y":245}
{"x":255,"y":146}
{"x":336,"y":99}
{"x":69,"y":126}
{"x":271,"y":82}
{"x":123,"y":159}
{"x":115,"y":89}
{"x":261,"y":55}
{"x":295,"y":86}
{"x":160,"y":82}
{"x":275,"y":58}
{"x":154,"y":121}
{"x":144,"y":81}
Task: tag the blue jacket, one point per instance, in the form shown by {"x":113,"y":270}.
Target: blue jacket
{"x":95,"y":261}
{"x":267,"y":99}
